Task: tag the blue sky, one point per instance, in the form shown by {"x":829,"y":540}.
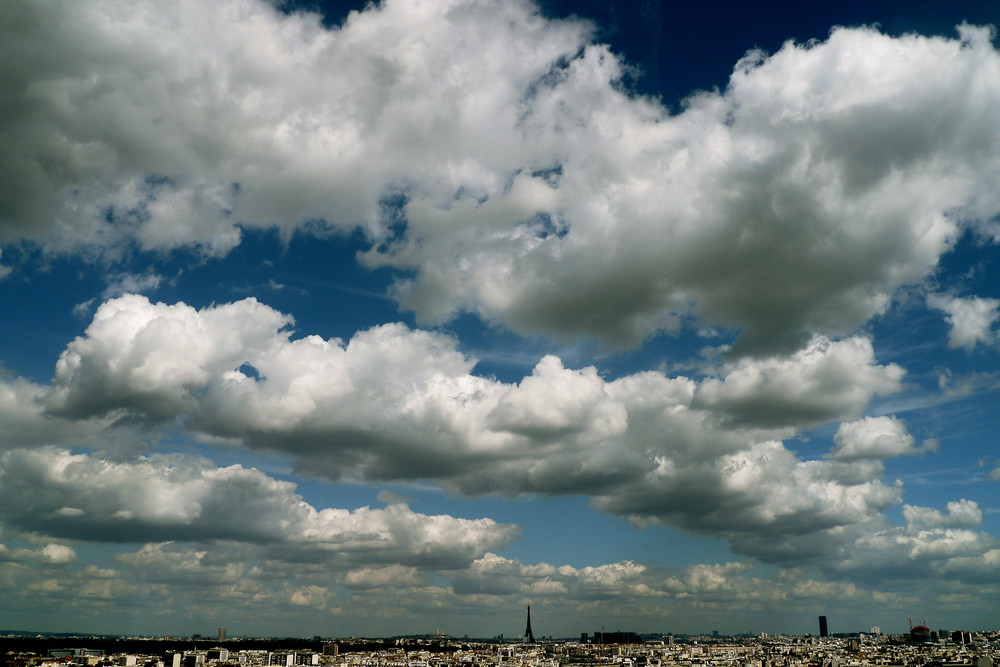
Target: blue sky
{"x":345,"y":319}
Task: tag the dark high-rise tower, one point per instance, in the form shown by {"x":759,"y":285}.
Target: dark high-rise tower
{"x":529,"y":636}
{"x":823,"y":631}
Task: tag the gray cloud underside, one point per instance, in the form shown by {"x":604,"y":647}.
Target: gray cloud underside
{"x":534,"y":190}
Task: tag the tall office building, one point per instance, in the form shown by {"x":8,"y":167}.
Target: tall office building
{"x":222,"y":634}
{"x":823,"y":630}
{"x":529,"y":636}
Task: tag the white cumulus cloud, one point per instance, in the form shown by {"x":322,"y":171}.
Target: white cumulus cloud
{"x":961,"y":514}
{"x":824,"y":381}
{"x":872,"y":438}
{"x":971,"y":319}
{"x":931,"y":544}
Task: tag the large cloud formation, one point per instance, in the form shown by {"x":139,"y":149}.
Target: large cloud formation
{"x":494,"y":154}
{"x":395,"y":404}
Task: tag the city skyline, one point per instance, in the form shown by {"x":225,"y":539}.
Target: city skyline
{"x":336,"y":318}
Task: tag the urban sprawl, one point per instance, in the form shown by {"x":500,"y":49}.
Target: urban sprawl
{"x":920,"y":648}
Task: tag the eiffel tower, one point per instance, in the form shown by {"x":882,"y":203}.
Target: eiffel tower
{"x":529,"y":636}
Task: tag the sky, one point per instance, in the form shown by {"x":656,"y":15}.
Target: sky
{"x":326,"y":318}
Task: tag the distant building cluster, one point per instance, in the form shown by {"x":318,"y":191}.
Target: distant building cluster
{"x":617,"y":637}
{"x":221,"y":656}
